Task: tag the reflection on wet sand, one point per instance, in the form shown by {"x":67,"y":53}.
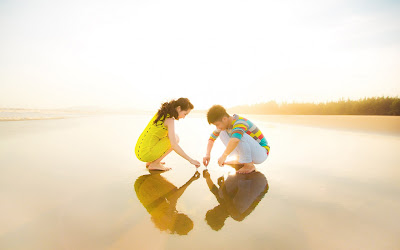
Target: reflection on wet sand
{"x":238,"y":196}
{"x":159,"y":197}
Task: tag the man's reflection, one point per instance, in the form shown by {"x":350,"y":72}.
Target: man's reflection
{"x":238,"y":195}
{"x":159,"y":197}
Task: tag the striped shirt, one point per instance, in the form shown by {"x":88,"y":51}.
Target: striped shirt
{"x":240,"y":126}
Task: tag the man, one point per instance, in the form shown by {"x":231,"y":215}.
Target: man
{"x":240,"y":136}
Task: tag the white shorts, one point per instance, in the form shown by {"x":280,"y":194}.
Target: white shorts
{"x":248,"y":149}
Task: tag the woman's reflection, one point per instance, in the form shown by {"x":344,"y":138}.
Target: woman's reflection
{"x":238,"y":195}
{"x":159,"y":197}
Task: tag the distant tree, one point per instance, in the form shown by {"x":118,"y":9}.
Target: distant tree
{"x":395,"y":107}
{"x":365,"y":106}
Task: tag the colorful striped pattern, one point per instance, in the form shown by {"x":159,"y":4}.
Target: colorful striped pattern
{"x":215,"y":134}
{"x":241,"y":125}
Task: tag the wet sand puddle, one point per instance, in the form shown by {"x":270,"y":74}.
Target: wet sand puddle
{"x":75,"y":184}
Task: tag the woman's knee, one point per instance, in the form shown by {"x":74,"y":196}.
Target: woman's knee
{"x":177,"y":138}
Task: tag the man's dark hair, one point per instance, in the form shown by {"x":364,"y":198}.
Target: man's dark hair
{"x":216,"y":113}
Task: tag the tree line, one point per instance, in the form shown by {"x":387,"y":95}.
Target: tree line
{"x":365,"y":106}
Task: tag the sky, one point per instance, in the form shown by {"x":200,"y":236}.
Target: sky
{"x":138,"y":54}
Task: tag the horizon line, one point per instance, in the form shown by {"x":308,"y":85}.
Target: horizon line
{"x":131,"y":109}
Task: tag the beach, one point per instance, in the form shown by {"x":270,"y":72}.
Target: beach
{"x":330,"y":182}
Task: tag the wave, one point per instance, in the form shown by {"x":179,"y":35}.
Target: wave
{"x":26,"y":115}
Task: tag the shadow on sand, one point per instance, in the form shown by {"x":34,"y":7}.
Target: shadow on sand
{"x":159,"y":197}
{"x":238,"y":196}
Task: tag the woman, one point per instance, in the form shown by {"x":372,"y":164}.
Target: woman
{"x":160,"y":197}
{"x":158,"y":139}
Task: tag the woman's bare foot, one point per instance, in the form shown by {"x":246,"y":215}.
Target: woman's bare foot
{"x":148,"y":164}
{"x":247,"y":168}
{"x":158,"y":166}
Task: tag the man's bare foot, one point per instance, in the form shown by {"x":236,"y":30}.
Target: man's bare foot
{"x":247,"y":168}
{"x":148,"y":164}
{"x":158,"y":166}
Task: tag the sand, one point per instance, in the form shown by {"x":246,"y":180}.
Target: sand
{"x":76,"y":184}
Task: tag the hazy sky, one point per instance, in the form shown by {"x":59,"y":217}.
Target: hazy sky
{"x":56,"y":54}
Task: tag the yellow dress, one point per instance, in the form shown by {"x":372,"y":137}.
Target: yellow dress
{"x":153,"y":142}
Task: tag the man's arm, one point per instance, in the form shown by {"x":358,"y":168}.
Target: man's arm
{"x":232,"y":144}
{"x":213,"y":188}
{"x":206,"y":159}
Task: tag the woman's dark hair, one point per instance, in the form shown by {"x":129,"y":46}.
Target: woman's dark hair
{"x":169,"y":108}
{"x":216,"y":113}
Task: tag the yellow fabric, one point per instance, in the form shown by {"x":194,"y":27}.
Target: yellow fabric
{"x":153,"y":142}
{"x":153,"y":188}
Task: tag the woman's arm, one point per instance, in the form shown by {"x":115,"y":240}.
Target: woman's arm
{"x":170,"y":123}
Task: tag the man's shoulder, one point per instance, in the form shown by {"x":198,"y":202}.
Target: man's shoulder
{"x":239,"y":119}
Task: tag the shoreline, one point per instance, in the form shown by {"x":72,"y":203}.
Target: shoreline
{"x":16,"y":119}
{"x":381,"y":124}
{"x":377,"y":124}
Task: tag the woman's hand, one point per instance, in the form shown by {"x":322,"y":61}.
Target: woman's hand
{"x":194,"y":162}
{"x":206,"y":160}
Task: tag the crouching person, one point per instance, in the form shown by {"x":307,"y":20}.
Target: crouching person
{"x":241,"y":137}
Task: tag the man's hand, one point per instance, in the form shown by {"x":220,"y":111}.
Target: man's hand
{"x":221,"y":160}
{"x":206,"y":174}
{"x":221,"y":181}
{"x":206,"y":160}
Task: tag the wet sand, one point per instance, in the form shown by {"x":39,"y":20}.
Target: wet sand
{"x":76,"y":184}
